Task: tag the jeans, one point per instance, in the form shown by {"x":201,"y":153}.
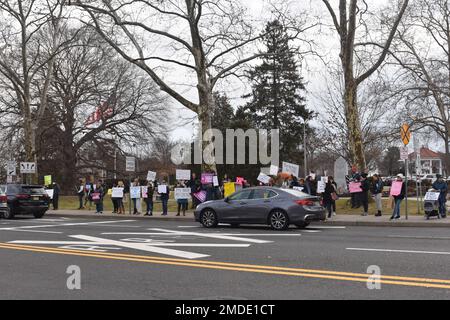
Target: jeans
{"x":442,"y":205}
{"x":398,"y":204}
{"x":164,"y":206}
{"x":135,"y":206}
{"x":378,"y":201}
{"x":99,"y":207}
{"x":80,"y":198}
{"x":329,"y":205}
{"x":149,"y":203}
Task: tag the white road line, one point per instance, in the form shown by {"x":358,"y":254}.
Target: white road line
{"x":67,"y":225}
{"x":320,"y":227}
{"x":399,"y":251}
{"x":419,"y":237}
{"x":191,"y":234}
{"x":186,"y":227}
{"x":35,"y":231}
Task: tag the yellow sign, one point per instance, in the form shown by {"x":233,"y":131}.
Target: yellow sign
{"x":229,"y":188}
{"x":406,"y":134}
{"x":110,"y":192}
{"x":47,"y":180}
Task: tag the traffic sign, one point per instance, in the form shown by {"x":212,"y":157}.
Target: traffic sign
{"x":130,"y":164}
{"x":27,"y":167}
{"x":405,"y":134}
{"x":11,"y":168}
{"x":404,"y":153}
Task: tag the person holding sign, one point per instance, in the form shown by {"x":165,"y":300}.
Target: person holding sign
{"x":97,"y":198}
{"x":149,"y":199}
{"x":182,"y":203}
{"x":441,"y":186}
{"x":364,"y":194}
{"x":164,"y":191}
{"x":398,"y":192}
{"x":119,"y":197}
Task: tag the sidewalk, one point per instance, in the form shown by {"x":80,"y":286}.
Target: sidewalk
{"x":340,"y":220}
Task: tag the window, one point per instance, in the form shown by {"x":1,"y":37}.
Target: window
{"x":243,"y":195}
{"x":263,"y":194}
{"x":33,"y":190}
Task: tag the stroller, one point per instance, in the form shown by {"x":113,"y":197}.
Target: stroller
{"x":431,"y":204}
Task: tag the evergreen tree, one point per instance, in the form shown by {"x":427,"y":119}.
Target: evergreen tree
{"x":276,"y":98}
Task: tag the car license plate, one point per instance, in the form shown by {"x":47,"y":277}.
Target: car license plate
{"x":36,"y":198}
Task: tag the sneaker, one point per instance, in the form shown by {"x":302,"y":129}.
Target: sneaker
{"x":334,"y":214}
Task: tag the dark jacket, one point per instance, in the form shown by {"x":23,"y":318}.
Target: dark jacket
{"x":330,"y":188}
{"x":377,"y":187}
{"x":442,"y":187}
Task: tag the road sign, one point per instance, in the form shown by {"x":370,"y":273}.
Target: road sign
{"x":404,"y":153}
{"x":11,"y":168}
{"x":405,"y":134}
{"x":27,"y":167}
{"x":130,"y":164}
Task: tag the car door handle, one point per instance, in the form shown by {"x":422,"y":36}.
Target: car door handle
{"x":243,"y":203}
{"x":267,"y":201}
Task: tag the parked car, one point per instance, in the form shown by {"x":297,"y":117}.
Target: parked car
{"x":3,"y":202}
{"x":276,"y":207}
{"x":26,"y":200}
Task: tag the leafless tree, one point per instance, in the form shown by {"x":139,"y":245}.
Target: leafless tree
{"x":355,"y":27}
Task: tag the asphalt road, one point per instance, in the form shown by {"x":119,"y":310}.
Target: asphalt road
{"x":126,"y":259}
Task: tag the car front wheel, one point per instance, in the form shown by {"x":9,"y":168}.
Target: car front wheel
{"x":209,"y":219}
{"x":8,"y":214}
{"x":279,"y":220}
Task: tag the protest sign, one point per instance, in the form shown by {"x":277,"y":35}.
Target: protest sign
{"x":201,"y":196}
{"x":396,"y":188}
{"x":265,"y":179}
{"x":109,"y":192}
{"x":355,"y":187}
{"x":117,"y":193}
{"x":432,"y":196}
{"x":162,"y":188}
{"x":229,"y":188}
{"x":47,"y":180}
{"x":50,"y":193}
{"x":299,"y":189}
{"x":216,"y":181}
{"x":321,"y":187}
{"x":291,"y":168}
{"x":182,"y":193}
{"x":207,"y":178}
{"x":151,"y":176}
{"x":144,"y":192}
{"x":183,"y":174}
{"x":274,"y":170}
{"x":240,"y":180}
{"x":135,"y":192}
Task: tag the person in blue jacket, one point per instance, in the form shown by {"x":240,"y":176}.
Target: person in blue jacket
{"x":441,"y":186}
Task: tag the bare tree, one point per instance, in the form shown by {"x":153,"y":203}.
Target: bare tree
{"x":206,"y":41}
{"x":31,"y":40}
{"x":349,"y":18}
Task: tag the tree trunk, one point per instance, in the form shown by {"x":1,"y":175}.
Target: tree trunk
{"x":355,"y":137}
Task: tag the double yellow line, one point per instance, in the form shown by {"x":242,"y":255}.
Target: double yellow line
{"x":273,"y":270}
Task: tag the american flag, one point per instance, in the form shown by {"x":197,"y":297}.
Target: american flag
{"x":102,"y":112}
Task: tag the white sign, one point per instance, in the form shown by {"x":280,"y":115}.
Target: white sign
{"x":27,"y":167}
{"x":404,"y":153}
{"x":299,"y":189}
{"x":215,"y":181}
{"x":11,"y":168}
{"x":264,"y":178}
{"x":291,"y":168}
{"x":135,"y":192}
{"x":183,"y":174}
{"x":324,"y":179}
{"x":9,"y":179}
{"x":274,"y":170}
{"x":50,"y":193}
{"x":151,"y":176}
{"x":182,"y":193}
{"x":162,"y":189}
{"x":432,"y":196}
{"x":320,"y":187}
{"x":117,"y":193}
{"x":130,"y":164}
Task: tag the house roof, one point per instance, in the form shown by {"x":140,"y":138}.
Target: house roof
{"x":426,"y":153}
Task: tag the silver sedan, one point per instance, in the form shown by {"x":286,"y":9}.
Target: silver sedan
{"x":262,"y":205}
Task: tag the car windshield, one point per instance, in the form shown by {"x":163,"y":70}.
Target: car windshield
{"x":33,"y":190}
{"x":296,"y":193}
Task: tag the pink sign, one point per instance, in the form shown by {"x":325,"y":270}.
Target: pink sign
{"x":355,"y":187}
{"x":396,"y":188}
{"x":240,"y":181}
{"x":201,"y":196}
{"x":207,"y":178}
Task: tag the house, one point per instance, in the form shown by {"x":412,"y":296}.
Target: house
{"x":430,"y":162}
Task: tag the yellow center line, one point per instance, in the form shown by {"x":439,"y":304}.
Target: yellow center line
{"x":306,"y":273}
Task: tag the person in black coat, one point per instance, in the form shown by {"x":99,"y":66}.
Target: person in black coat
{"x":328,"y":200}
{"x":364,"y":195}
{"x":56,"y":191}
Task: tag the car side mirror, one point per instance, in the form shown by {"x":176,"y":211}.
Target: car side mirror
{"x":227,"y":200}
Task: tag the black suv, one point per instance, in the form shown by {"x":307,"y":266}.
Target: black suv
{"x":25,"y":199}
